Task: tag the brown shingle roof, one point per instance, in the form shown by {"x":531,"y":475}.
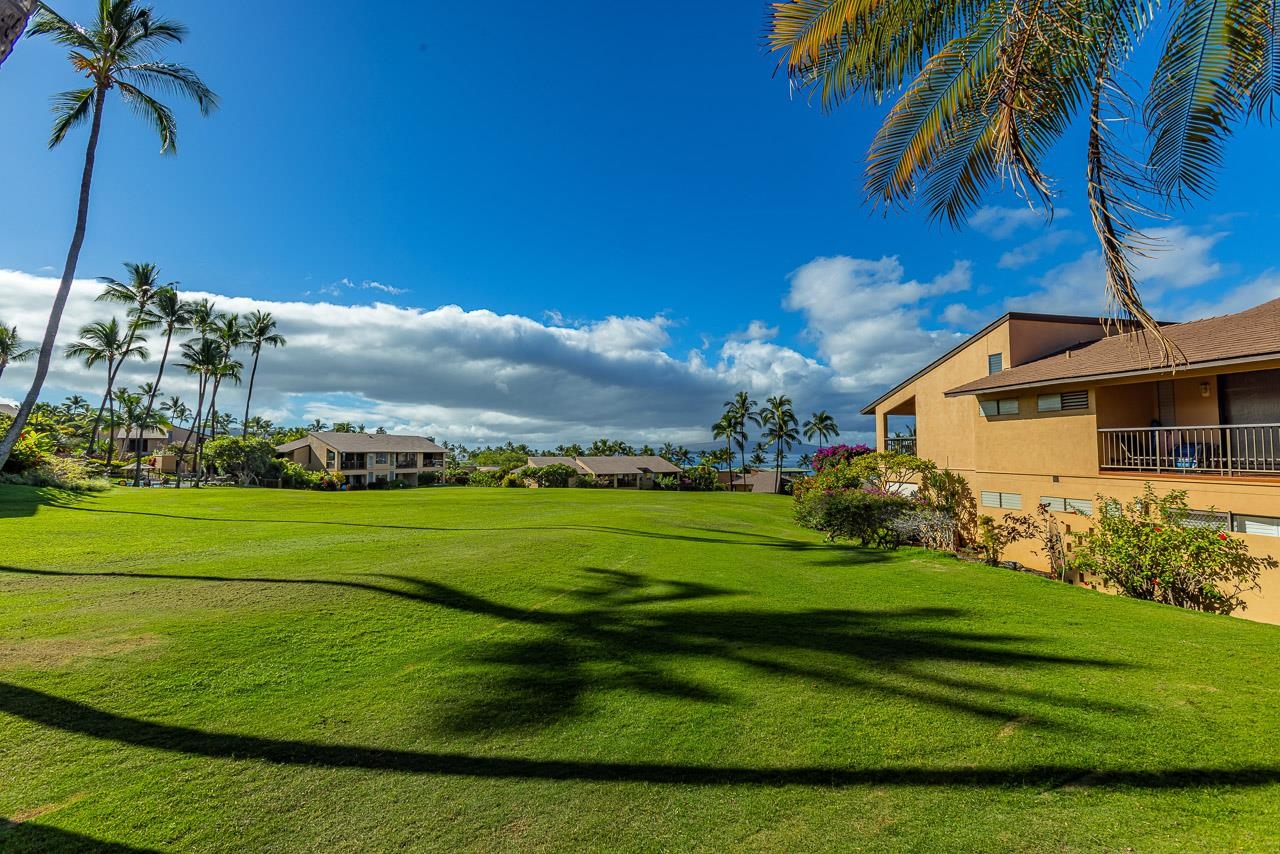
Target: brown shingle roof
{"x":359,"y":443}
{"x":627,"y":465}
{"x":1250,"y":335}
{"x":539,"y":462}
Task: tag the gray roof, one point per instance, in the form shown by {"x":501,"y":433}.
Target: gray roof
{"x":363,"y":443}
{"x":627,"y":465}
{"x":6,"y":409}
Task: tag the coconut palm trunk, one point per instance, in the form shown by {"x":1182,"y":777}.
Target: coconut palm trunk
{"x":151,"y":399}
{"x":195,"y":428}
{"x":64,"y":286}
{"x":14,"y":15}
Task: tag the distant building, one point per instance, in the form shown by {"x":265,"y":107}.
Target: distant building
{"x":635,"y":472}
{"x":364,"y":459}
{"x":10,"y":411}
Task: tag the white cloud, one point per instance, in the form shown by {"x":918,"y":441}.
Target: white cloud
{"x":1035,"y":249}
{"x":868,"y":320}
{"x":338,"y":288}
{"x":1180,"y":258}
{"x":757,"y":330}
{"x":1000,"y":223}
{"x":1263,"y":288}
{"x":964,"y":317}
{"x":464,"y":375}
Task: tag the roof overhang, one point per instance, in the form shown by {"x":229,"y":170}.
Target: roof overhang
{"x":960,"y":391}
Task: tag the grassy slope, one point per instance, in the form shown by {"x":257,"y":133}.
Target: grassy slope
{"x":485,"y":669}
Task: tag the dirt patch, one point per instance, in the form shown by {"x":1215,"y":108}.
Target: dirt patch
{"x":1013,"y":726}
{"x":49,"y":653}
{"x":39,"y":812}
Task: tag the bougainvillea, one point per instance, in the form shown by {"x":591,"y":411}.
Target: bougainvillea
{"x":837,"y":454}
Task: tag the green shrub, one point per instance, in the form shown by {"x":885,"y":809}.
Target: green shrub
{"x":586,"y":481}
{"x":59,"y":473}
{"x":31,"y":451}
{"x":554,"y":476}
{"x":702,"y":479}
{"x":485,"y":478}
{"x":666,"y":481}
{"x":854,"y":514}
{"x":1146,"y":549}
{"x":514,"y":480}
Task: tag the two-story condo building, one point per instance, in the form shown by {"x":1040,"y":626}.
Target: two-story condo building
{"x":364,"y":458}
{"x":1044,"y":409}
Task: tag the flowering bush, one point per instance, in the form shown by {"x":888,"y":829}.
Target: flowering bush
{"x":838,"y":454}
{"x":1146,"y":550}
{"x":853,"y":514}
{"x":32,"y":450}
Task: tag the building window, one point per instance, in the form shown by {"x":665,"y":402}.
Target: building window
{"x":1262,"y":526}
{"x":1068,"y":505}
{"x":330,"y":458}
{"x":1005,"y":406}
{"x":1003,"y":500}
{"x":995,"y":363}
{"x":380,"y":459}
{"x":1215,"y":519}
{"x":1065,"y":400}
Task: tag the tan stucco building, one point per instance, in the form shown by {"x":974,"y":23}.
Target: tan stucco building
{"x":621,"y":472}
{"x":1050,"y":409}
{"x":366,"y":459}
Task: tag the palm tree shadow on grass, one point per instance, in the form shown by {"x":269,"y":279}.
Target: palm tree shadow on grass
{"x":82,"y":719}
{"x":27,"y":836}
{"x":21,"y":501}
{"x":627,"y":632}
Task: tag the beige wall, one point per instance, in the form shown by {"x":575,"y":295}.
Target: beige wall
{"x":1055,"y":454}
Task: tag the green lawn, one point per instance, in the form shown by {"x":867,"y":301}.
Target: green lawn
{"x":483,"y":669}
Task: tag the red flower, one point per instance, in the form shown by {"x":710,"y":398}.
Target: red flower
{"x":1222,"y":536}
{"x":1158,"y":530}
{"x":1156,"y":582}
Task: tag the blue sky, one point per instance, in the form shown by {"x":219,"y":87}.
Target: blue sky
{"x":572,"y":168}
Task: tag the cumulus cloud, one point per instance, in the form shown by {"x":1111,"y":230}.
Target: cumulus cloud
{"x":1256,"y":291}
{"x":869,"y":320}
{"x":1181,"y":258}
{"x":339,"y":288}
{"x":464,"y":375}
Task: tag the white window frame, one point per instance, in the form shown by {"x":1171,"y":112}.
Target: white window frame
{"x":1002,"y":406}
{"x":1002,"y":500}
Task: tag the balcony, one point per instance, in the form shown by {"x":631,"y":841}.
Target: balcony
{"x":901,"y":444}
{"x":1216,"y":449}
{"x":352,"y":461}
{"x":406,"y":461}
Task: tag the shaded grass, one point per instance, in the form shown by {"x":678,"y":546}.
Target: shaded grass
{"x":499,"y":669}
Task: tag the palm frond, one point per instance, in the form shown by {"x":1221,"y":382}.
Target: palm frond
{"x":925,"y":119}
{"x":70,"y":108}
{"x":1114,"y":180}
{"x":46,"y":22}
{"x":174,"y":80}
{"x":155,"y":113}
{"x":1193,"y":100}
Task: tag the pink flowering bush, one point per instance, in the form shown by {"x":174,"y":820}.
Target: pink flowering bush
{"x":838,"y":454}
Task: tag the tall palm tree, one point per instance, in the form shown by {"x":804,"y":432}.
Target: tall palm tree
{"x":201,"y":358}
{"x":259,"y":329}
{"x":742,"y":410}
{"x":779,"y":418}
{"x":727,"y":429}
{"x":178,"y":413}
{"x":14,"y":15}
{"x":985,"y":90}
{"x":11,"y":349}
{"x":170,"y":313}
{"x":228,"y":335}
{"x":822,"y":425}
{"x":120,"y":50}
{"x":104,"y":342}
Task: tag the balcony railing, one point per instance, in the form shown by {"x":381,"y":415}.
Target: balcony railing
{"x":1211,"y":449}
{"x":901,"y":444}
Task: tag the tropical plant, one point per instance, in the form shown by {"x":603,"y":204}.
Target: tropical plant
{"x":12,"y":350}
{"x":986,"y":90}
{"x":103,"y":342}
{"x":229,"y":335}
{"x":120,"y":50}
{"x":1149,"y":549}
{"x":821,"y":425}
{"x":779,"y":420}
{"x":259,"y":329}
{"x":725,"y":429}
{"x":201,"y":359}
{"x":741,"y":411}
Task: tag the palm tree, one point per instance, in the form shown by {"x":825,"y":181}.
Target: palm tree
{"x":779,"y":418}
{"x":178,"y":413}
{"x":169,"y":312}
{"x":120,"y":50}
{"x":13,"y":20}
{"x":76,"y":406}
{"x":259,"y":329}
{"x":727,"y":429}
{"x":228,"y":335}
{"x":11,"y":349}
{"x":822,"y":425}
{"x":201,"y":358}
{"x":258,"y":427}
{"x":317,"y":426}
{"x":103,"y":341}
{"x":742,"y":409}
{"x":987,"y":89}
